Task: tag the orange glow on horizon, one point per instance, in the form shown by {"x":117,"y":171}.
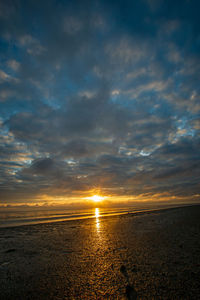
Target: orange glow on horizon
{"x":92,"y":197}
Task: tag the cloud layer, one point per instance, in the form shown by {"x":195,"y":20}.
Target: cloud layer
{"x":99,"y":96}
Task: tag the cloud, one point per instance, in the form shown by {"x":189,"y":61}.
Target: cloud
{"x":13,"y":64}
{"x":102,"y":96}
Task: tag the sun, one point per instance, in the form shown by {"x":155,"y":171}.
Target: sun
{"x":96,"y":198}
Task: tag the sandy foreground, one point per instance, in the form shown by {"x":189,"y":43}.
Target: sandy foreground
{"x":152,"y":255}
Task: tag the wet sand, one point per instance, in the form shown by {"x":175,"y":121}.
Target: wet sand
{"x":152,"y":255}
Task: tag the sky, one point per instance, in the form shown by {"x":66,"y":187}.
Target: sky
{"x":99,"y":98}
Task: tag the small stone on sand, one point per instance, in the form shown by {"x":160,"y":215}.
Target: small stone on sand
{"x":131,"y":293}
{"x":123,"y":269}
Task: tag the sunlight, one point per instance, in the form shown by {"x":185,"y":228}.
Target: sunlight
{"x":97,"y":198}
{"x":97,"y":218}
{"x":96,"y":212}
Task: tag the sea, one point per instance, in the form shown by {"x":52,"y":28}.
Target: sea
{"x":12,"y":218}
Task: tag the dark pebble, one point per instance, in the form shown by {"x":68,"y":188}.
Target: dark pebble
{"x":131,"y":293}
{"x":123,"y":269}
{"x":10,"y":250}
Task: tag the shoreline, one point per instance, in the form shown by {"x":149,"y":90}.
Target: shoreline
{"x":49,"y":220}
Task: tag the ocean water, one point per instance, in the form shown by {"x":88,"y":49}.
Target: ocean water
{"x":10,"y":218}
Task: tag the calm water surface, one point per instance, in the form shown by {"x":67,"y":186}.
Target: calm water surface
{"x":17,"y":218}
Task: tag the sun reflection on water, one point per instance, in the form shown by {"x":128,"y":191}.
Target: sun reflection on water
{"x":97,"y":219}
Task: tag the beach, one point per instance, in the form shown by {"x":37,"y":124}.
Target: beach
{"x":146,"y":255}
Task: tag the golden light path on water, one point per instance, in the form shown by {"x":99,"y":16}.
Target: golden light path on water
{"x":97,"y":219}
